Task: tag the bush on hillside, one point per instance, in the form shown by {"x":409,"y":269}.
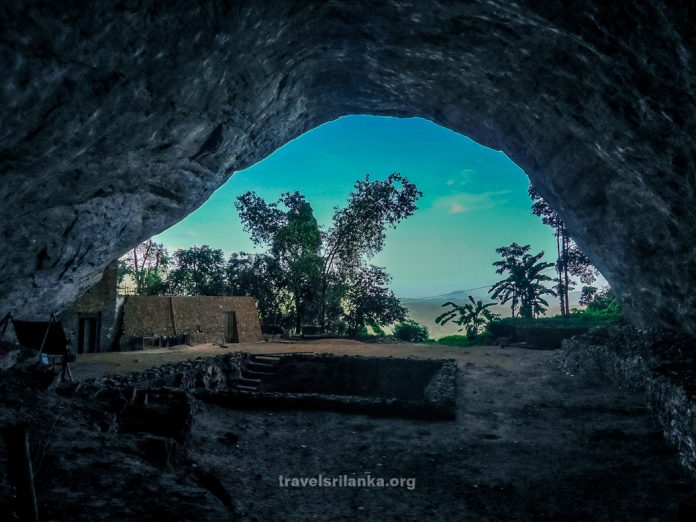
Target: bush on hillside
{"x":411,"y":331}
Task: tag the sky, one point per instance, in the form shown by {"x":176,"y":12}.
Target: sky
{"x":474,"y":199}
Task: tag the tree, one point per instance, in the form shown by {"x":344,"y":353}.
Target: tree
{"x":147,"y":264}
{"x":322,"y":271}
{"x":600,"y":300}
{"x":508,"y":290}
{"x":359,"y":229}
{"x":198,"y":271}
{"x":259,"y":276}
{"x":294,"y":241}
{"x":368,"y":301}
{"x":524,"y":282}
{"x":571,"y":260}
{"x":472,"y":316}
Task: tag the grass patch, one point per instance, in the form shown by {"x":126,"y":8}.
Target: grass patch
{"x":463,"y":341}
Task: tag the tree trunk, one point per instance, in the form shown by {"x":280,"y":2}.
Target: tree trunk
{"x":298,"y":315}
{"x":559,"y":269}
{"x":566,"y":286}
{"x":322,"y":309}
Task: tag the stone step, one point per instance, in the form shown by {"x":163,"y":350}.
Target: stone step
{"x":254,"y":374}
{"x":249,"y":382}
{"x":264,"y":359}
{"x":259,"y":367}
{"x":241,"y":387}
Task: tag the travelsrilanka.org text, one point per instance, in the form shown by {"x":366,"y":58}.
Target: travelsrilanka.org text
{"x":345,"y":481}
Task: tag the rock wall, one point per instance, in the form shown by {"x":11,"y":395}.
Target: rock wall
{"x":661,"y":365}
{"x":204,"y":318}
{"x":119,"y":119}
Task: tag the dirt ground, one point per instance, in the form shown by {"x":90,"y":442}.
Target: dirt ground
{"x":529,"y":443}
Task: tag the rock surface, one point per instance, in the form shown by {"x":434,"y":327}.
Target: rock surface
{"x":117,"y":120}
{"x":658,"y":364}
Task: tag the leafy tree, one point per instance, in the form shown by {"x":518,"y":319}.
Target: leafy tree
{"x":359,"y":229}
{"x":146,"y":264}
{"x":260,"y":276}
{"x":322,"y":272}
{"x":368,"y":301}
{"x":198,"y":271}
{"x":588,"y":294}
{"x":411,"y":331}
{"x":600,"y":300}
{"x":571,"y":260}
{"x":472,"y":316}
{"x":294,"y":240}
{"x":524,"y":282}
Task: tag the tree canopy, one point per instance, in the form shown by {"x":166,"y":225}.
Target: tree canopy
{"x":326,"y":274}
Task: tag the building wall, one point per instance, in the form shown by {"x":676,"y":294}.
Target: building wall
{"x":101,"y":300}
{"x":204,"y":318}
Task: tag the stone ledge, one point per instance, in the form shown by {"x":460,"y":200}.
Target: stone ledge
{"x":660,"y":364}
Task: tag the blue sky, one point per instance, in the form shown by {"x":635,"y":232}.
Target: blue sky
{"x":474,"y":199}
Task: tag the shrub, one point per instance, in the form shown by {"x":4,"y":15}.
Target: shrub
{"x":465,"y":341}
{"x":411,"y":331}
{"x":588,"y":318}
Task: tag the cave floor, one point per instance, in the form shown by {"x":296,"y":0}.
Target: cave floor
{"x":529,"y":443}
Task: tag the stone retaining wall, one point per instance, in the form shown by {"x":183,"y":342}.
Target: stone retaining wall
{"x":213,"y":379}
{"x":662,"y":365}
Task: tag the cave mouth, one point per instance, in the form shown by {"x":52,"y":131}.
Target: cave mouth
{"x":474,"y":200}
{"x":113,"y":131}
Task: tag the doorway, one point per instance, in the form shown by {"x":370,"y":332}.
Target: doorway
{"x":232,"y":334}
{"x":88,"y":333}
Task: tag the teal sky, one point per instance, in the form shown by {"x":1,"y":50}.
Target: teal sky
{"x":474,"y":199}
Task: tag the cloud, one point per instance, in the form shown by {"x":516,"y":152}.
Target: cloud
{"x":471,"y":202}
{"x":466,"y":175}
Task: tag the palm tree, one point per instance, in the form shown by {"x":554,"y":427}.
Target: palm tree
{"x":509,"y":289}
{"x":473,"y":316}
{"x":524,"y":282}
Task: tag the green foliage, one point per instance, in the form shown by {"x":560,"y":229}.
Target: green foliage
{"x":577,"y":319}
{"x":377,"y":329}
{"x":472,"y":316}
{"x":465,"y":341}
{"x":260,"y":276}
{"x":368,"y":301}
{"x":411,"y":331}
{"x":199,"y":271}
{"x":523,"y":285}
{"x":571,"y":261}
{"x":291,"y":232}
{"x":325,"y":276}
{"x":305,"y":276}
{"x":147,"y":265}
{"x":358,"y":232}
{"x":601,"y":301}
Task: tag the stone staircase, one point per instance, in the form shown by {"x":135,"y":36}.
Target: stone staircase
{"x":256,"y":370}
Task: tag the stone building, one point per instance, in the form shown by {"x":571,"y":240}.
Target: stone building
{"x":102,"y":321}
{"x":194,"y":319}
{"x":91,"y":323}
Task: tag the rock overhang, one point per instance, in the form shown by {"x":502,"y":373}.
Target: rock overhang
{"x":119,"y":120}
